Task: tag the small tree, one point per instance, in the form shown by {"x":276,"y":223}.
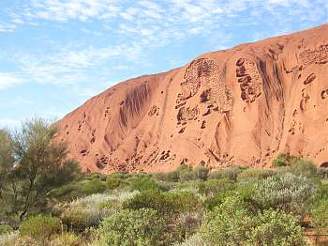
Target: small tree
{"x":41,"y":164}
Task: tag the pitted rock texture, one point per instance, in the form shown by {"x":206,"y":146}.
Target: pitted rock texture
{"x":240,"y":106}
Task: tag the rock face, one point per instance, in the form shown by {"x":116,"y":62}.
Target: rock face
{"x":239,"y":106}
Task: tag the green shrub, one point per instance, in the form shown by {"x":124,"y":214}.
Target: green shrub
{"x":172,"y":176}
{"x":320,"y":215}
{"x":165,"y":203}
{"x":228,"y":224}
{"x":213,"y":186}
{"x":132,"y":227}
{"x":92,"y":186}
{"x":283,"y":160}
{"x":201,"y":172}
{"x":229,"y":173}
{"x":185,"y":173}
{"x":276,"y":228}
{"x":304,"y":168}
{"x":5,"y":229}
{"x":88,"y":185}
{"x":184,"y":201}
{"x":144,"y":183}
{"x":113,"y":182}
{"x":40,"y":227}
{"x":87,"y":212}
{"x":286,"y":192}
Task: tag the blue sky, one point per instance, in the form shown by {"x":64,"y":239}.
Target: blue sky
{"x":55,"y":54}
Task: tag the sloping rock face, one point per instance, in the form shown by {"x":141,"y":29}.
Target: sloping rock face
{"x":239,"y":106}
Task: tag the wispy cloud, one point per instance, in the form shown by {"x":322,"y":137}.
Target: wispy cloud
{"x":142,"y":26}
{"x":68,"y":66}
{"x":61,"y":10}
{"x":9,"y":80}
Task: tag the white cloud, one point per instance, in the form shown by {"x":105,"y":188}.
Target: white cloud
{"x":9,"y":80}
{"x":62,"y":10}
{"x":69,"y":66}
{"x":142,"y":26}
{"x":7,"y":27}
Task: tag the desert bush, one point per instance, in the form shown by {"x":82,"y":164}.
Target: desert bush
{"x":229,"y":173}
{"x":201,"y":172}
{"x":185,"y":226}
{"x":84,"y":187}
{"x":144,"y":183}
{"x":9,"y":238}
{"x":5,"y":229}
{"x":113,"y":182}
{"x":303,"y":168}
{"x":319,"y":214}
{"x":252,"y":173}
{"x":213,"y":186}
{"x":165,"y":203}
{"x":228,"y":224}
{"x":172,"y":176}
{"x":87,"y":212}
{"x":132,"y":227}
{"x":92,"y":186}
{"x":285,"y":159}
{"x":40,"y":227}
{"x":65,"y":239}
{"x":276,"y":228}
{"x":28,"y":241}
{"x":286,"y":192}
{"x":185,"y":173}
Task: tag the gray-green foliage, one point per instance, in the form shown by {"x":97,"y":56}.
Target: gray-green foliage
{"x":40,"y":227}
{"x":283,"y":160}
{"x":232,"y":223}
{"x":285,"y":192}
{"x":320,"y":214}
{"x":228,"y":224}
{"x":305,"y":168}
{"x":276,"y":228}
{"x":201,"y":172}
{"x":132,"y":228}
{"x":5,"y":229}
{"x":229,"y":173}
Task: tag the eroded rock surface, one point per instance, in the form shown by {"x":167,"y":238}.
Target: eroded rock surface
{"x":239,"y":106}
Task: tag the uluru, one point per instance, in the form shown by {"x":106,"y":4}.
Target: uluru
{"x":240,"y":106}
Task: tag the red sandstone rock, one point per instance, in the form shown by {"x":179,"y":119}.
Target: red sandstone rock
{"x":263,"y":106}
